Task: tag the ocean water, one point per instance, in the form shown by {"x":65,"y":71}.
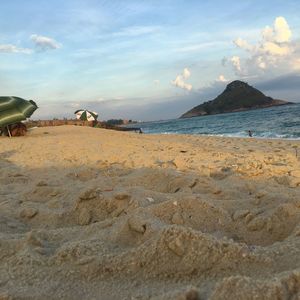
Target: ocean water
{"x":275,"y":122}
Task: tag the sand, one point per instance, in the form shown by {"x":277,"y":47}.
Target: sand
{"x":88,"y":213}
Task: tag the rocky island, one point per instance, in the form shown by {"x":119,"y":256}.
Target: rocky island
{"x":238,"y":96}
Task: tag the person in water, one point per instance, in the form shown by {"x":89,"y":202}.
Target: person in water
{"x":250,"y":133}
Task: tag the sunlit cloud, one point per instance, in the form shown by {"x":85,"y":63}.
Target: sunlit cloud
{"x":222,"y":78}
{"x":180,"y":80}
{"x":275,"y":50}
{"x":280,"y":33}
{"x":186,"y":73}
{"x":243,"y":44}
{"x":236,"y":62}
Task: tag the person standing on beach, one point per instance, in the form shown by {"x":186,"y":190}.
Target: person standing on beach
{"x":250,"y":133}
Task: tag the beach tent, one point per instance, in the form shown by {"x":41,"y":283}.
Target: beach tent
{"x":86,"y":115}
{"x":14,"y":110}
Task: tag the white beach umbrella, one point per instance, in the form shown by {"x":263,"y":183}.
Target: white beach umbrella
{"x":86,"y":115}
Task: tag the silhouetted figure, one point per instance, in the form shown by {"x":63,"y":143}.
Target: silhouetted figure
{"x":250,"y":133}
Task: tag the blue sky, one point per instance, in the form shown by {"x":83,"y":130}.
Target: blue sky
{"x":145,"y":60}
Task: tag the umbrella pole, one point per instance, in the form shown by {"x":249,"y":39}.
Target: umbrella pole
{"x":8,"y":131}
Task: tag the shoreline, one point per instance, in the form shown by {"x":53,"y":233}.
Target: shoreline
{"x":185,"y":135}
{"x":225,"y":136}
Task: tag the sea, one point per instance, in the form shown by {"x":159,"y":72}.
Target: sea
{"x":275,"y":122}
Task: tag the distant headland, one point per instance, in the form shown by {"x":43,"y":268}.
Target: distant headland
{"x":238,"y":96}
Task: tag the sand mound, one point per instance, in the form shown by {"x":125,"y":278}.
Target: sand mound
{"x":165,"y":218}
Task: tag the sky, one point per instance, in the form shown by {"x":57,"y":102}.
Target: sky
{"x":145,"y":60}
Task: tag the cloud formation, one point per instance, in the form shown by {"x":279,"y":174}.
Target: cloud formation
{"x":274,"y":50}
{"x":280,"y":33}
{"x":180,"y":80}
{"x":44,"y":43}
{"x":222,"y":78}
{"x":8,"y":48}
{"x":236,"y":62}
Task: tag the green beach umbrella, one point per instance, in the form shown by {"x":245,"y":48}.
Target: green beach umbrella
{"x":86,"y":115}
{"x":15,"y":109}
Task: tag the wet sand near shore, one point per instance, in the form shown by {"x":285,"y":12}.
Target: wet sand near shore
{"x":88,"y":213}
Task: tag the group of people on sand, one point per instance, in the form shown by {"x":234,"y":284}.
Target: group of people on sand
{"x":17,"y":129}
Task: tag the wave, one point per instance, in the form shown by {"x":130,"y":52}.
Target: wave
{"x":264,"y":135}
{"x":276,"y":123}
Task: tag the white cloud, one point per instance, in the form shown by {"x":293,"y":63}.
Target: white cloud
{"x":180,"y":80}
{"x":186,"y":73}
{"x":44,"y":43}
{"x":180,"y":83}
{"x":222,"y":78}
{"x":280,"y":33}
{"x":243,"y":44}
{"x":156,"y":82}
{"x":8,"y":48}
{"x":261,"y":63}
{"x":236,"y":62}
{"x":274,"y":50}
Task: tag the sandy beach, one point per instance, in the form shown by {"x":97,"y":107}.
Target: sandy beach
{"x":89,"y":213}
